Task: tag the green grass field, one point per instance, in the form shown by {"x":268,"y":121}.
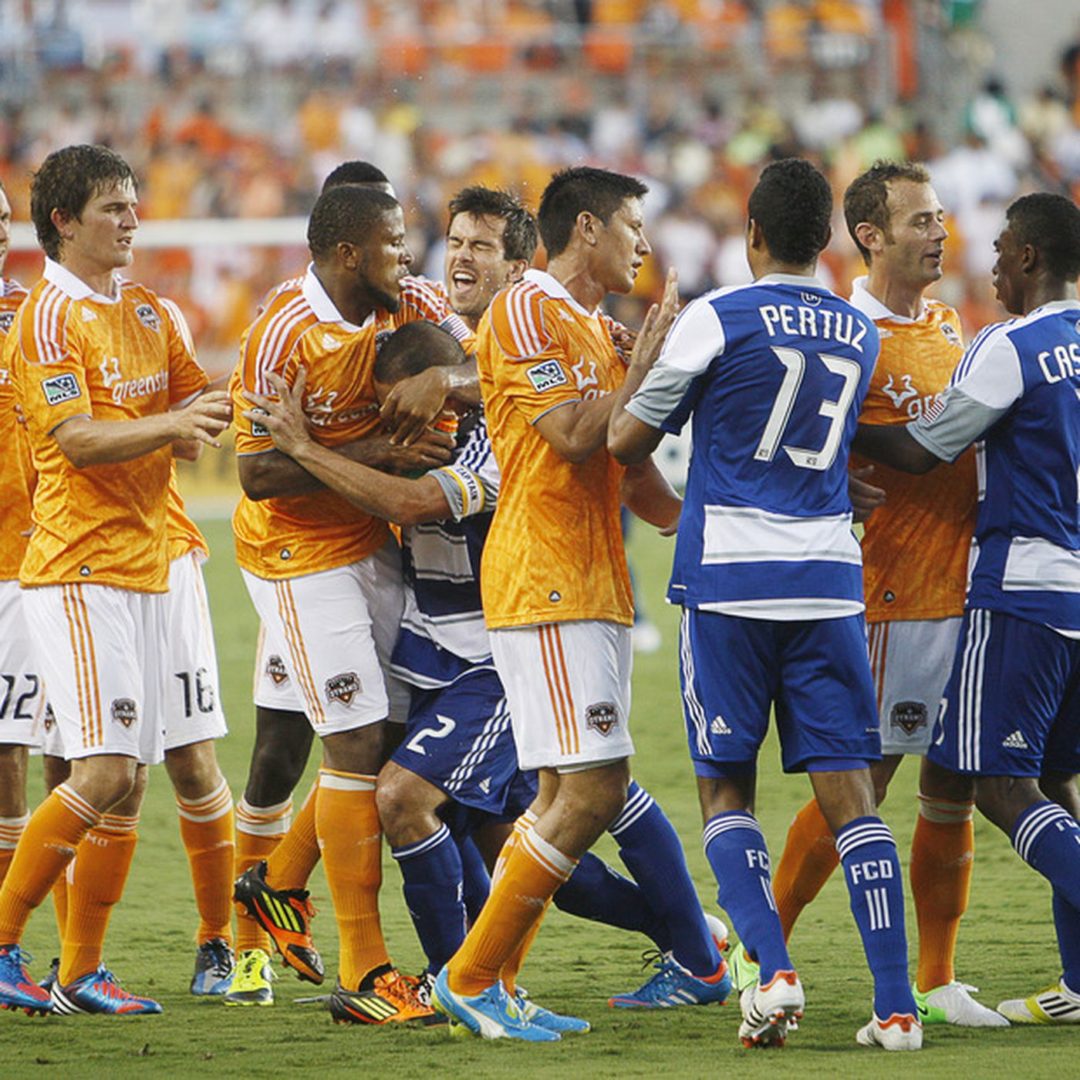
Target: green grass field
{"x":1006,"y":944}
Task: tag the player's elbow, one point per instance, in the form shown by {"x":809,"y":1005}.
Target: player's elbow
{"x":625,"y":452}
{"x":256,"y":481}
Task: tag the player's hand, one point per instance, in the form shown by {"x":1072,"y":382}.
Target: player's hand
{"x":282,"y":415}
{"x":657,"y":323}
{"x":428,"y":450}
{"x":204,"y":419}
{"x":865,"y":497}
{"x":624,"y":339}
{"x":413,"y":404}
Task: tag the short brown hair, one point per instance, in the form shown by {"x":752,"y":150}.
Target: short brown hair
{"x":867,"y":196}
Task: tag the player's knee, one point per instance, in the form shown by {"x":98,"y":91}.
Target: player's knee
{"x":402,"y":802}
{"x":193,"y":770}
{"x":1002,"y":799}
{"x":109,"y":783}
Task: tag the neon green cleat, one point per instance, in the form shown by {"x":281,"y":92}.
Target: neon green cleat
{"x":251,"y":982}
{"x":953,"y":1004}
{"x":744,"y":971}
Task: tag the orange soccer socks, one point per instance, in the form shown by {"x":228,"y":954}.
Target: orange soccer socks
{"x":350,"y":838}
{"x":47,"y":845}
{"x":294,"y":859}
{"x":807,"y":862}
{"x":206,"y":828}
{"x":95,"y":884}
{"x":11,"y":829}
{"x":533,"y":871}
{"x":942,"y":852}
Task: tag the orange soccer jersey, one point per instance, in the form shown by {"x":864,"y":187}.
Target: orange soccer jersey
{"x":915,"y":548}
{"x":14,"y":468}
{"x":74,"y":353}
{"x":555,"y":550}
{"x":183,"y":534}
{"x":300,"y":326}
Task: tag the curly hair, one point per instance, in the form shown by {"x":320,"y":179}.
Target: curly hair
{"x":519,"y":231}
{"x":1051,"y":224}
{"x":792,"y":204}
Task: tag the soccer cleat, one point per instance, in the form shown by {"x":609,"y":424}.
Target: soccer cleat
{"x":51,"y":975}
{"x":492,"y":1014}
{"x":425,"y":984}
{"x":99,"y":992}
{"x":545,"y":1018}
{"x":285,"y":915}
{"x":718,"y":930}
{"x":214,"y":967}
{"x":770,"y":1011}
{"x":673,"y":985}
{"x":385,"y":997}
{"x":1054,"y":1005}
{"x":17,"y":989}
{"x":744,"y":971}
{"x":953,"y":1004}
{"x":251,"y":981}
{"x":901,"y":1031}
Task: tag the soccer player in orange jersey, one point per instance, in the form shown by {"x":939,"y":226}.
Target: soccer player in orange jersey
{"x":915,"y":554}
{"x":107,"y":383}
{"x":325,"y":576}
{"x":23,"y":700}
{"x":554,"y":577}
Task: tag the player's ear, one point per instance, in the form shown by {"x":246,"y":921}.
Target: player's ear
{"x":755,"y":238}
{"x":1029,"y":258}
{"x":61,"y":219}
{"x":516,"y":270}
{"x":588,"y":225}
{"x":870,"y":236}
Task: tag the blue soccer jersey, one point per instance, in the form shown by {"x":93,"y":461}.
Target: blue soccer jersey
{"x":1018,"y":389}
{"x":774,"y":375}
{"x":442,"y":633}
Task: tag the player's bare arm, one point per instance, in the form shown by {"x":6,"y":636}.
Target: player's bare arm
{"x":86,"y":441}
{"x":865,"y":496}
{"x":395,"y":498}
{"x":414,"y":403}
{"x":647,"y":495}
{"x":893,"y":445}
{"x":629,"y":439}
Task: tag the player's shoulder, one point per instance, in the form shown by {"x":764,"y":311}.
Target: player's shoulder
{"x":285,"y":318}
{"x":41,"y":322}
{"x":522,"y":317}
{"x":424,"y":292}
{"x":12,"y":293}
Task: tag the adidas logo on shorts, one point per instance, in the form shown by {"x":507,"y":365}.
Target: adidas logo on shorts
{"x":1015,"y":741}
{"x":719,"y":726}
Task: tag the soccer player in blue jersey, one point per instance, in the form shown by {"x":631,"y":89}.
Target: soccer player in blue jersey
{"x":767,"y":571}
{"x":1010,"y":716}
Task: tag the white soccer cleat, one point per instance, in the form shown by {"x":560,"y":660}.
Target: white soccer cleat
{"x":1054,"y":1005}
{"x":953,"y":1004}
{"x":770,"y":1011}
{"x":901,"y":1031}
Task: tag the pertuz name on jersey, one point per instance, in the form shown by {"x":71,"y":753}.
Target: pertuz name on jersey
{"x":794,"y":320}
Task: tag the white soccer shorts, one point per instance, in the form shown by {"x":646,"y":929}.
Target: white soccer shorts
{"x":338,"y":628}
{"x":568,"y":686}
{"x":22,"y":693}
{"x":910,"y":661}
{"x":274,"y":687}
{"x":101,"y":652}
{"x":194,"y":691}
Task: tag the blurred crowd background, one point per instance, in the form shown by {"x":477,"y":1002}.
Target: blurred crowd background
{"x":239,"y":108}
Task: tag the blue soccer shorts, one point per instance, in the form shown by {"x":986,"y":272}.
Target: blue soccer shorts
{"x":733,"y":670}
{"x":1012,"y":701}
{"x":458,"y":737}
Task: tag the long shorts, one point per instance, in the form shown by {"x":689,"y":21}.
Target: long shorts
{"x":193,"y":703}
{"x":338,"y":627}
{"x":101,"y":651}
{"x":817,"y":673}
{"x":568,"y":685}
{"x":22,"y":693}
{"x":910,"y":661}
{"x":458,"y":738}
{"x":1012,"y":701}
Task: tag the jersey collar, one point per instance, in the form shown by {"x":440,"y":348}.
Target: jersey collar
{"x":74,"y":286}
{"x":319,"y":301}
{"x":555,"y":289}
{"x":873,"y":308}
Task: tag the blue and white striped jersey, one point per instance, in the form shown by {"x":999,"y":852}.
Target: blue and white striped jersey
{"x":1018,"y":389}
{"x":773,"y":375}
{"x":442,"y":632}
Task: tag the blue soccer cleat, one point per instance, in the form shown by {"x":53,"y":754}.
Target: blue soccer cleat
{"x":17,"y":989}
{"x":545,"y":1018}
{"x":99,"y":992}
{"x":214,"y":968}
{"x":492,"y":1014}
{"x":673,"y":985}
